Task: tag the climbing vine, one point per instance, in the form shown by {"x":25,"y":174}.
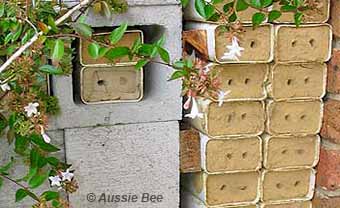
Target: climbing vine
{"x":36,"y":39}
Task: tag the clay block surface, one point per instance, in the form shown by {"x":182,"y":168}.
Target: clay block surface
{"x":331,"y":202}
{"x":333,"y":75}
{"x":286,"y":152}
{"x":287,"y":185}
{"x":232,"y":188}
{"x":305,"y":204}
{"x":303,"y":44}
{"x":111,"y":84}
{"x":294,"y":117}
{"x":335,"y":18}
{"x":190,"y":201}
{"x":233,"y":154}
{"x":328,"y":176}
{"x":190,"y":154}
{"x":319,"y":15}
{"x":245,"y":81}
{"x":123,"y":159}
{"x":298,"y":81}
{"x":236,"y":118}
{"x":257,"y":44}
{"x":126,"y":41}
{"x":331,"y":123}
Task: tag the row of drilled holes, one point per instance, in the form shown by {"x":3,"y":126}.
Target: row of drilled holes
{"x":302,"y":117}
{"x":294,"y":42}
{"x":299,"y":151}
{"x":290,"y":81}
{"x":278,"y":185}
{"x":230,"y":156}
{"x":246,"y":81}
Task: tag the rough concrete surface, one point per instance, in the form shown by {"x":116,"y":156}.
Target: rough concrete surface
{"x":125,"y":159}
{"x":162,"y":100}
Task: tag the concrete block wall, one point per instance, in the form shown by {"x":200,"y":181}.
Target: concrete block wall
{"x":123,"y":148}
{"x":279,"y":169}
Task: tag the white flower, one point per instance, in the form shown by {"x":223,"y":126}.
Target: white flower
{"x":5,"y":87}
{"x":234,"y":50}
{"x":46,"y":138}
{"x":32,"y":108}
{"x":55,"y":180}
{"x":194,"y":111}
{"x":187,"y":103}
{"x":206,"y":69}
{"x":67,"y":175}
{"x":221,"y":96}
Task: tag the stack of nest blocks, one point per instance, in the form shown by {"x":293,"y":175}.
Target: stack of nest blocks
{"x":260,"y":147}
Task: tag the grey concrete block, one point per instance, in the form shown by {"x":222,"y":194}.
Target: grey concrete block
{"x":162,"y":100}
{"x":7,"y":192}
{"x":125,"y":159}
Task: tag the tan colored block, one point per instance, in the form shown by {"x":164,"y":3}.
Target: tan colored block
{"x":294,"y":117}
{"x":298,"y":81}
{"x":320,"y":15}
{"x":231,"y":119}
{"x":224,"y":189}
{"x":306,"y":43}
{"x":190,"y":154}
{"x":244,"y":81}
{"x":258,"y":44}
{"x":111,"y":84}
{"x":288,"y":185}
{"x":190,"y":201}
{"x":127,"y":41}
{"x":291,"y":152}
{"x":231,"y":155}
{"x":301,"y":204}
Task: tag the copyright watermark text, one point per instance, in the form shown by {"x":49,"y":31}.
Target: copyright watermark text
{"x":125,"y":198}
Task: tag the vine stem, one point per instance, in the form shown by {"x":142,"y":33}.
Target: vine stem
{"x":37,"y":35}
{"x":35,"y":197}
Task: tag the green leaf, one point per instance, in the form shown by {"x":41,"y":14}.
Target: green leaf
{"x":146,"y":49}
{"x":93,"y":50}
{"x":17,"y":33}
{"x":258,"y":18}
{"x":52,"y":24}
{"x":3,"y":123}
{"x":49,"y":69}
{"x":228,"y":6}
{"x":256,"y":3}
{"x":298,"y":18}
{"x":35,"y":157}
{"x":53,"y":161}
{"x":38,"y":140}
{"x":117,"y":52}
{"x":50,"y":195}
{"x":32,"y":172}
{"x":141,"y":63}
{"x":178,"y":64}
{"x":21,"y":144}
{"x":83,"y":29}
{"x":102,"y":52}
{"x":118,"y":33}
{"x":209,"y":11}
{"x":161,"y":41}
{"x":10,"y":136}
{"x":176,"y":75}
{"x":136,"y":44}
{"x":12,"y":120}
{"x":2,"y":9}
{"x":200,"y":7}
{"x":164,"y":54}
{"x":288,"y":8}
{"x":266,"y":3}
{"x":1,"y":182}
{"x":233,"y":17}
{"x":184,"y":3}
{"x":274,"y":15}
{"x":38,"y":179}
{"x":241,"y":5}
{"x":20,"y":195}
{"x":56,"y":204}
{"x":58,"y":50}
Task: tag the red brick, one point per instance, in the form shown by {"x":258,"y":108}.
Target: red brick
{"x":328,"y":170}
{"x":331,"y":121}
{"x":190,"y":155}
{"x":335,"y":18}
{"x":326,"y":202}
{"x":333,"y":74}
